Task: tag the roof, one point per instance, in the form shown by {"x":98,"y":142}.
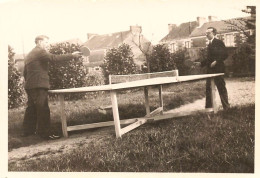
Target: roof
{"x":106,"y":41}
{"x":181,"y":31}
{"x":221,"y":26}
{"x":96,"y":56}
{"x":71,"y":41}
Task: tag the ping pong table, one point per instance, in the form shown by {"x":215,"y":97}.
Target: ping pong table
{"x":135,"y":122}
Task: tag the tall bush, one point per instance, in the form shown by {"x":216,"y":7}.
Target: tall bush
{"x":119,"y":61}
{"x":161,"y":59}
{"x":244,"y":59}
{"x":179,"y":58}
{"x":67,"y":74}
{"x":16,"y":93}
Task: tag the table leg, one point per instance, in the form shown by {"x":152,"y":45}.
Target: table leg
{"x":63,"y":117}
{"x":147,"y":105}
{"x":161,"y":98}
{"x":213,"y":95}
{"x":115,"y":113}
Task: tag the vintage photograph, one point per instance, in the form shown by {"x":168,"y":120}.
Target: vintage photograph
{"x":130,"y":86}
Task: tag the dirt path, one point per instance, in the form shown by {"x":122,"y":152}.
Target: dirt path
{"x":240,"y":93}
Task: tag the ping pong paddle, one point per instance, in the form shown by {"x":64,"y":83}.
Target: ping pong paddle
{"x":85,"y":51}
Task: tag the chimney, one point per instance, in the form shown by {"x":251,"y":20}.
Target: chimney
{"x":90,"y":35}
{"x":171,"y":27}
{"x":212,"y":18}
{"x":201,"y":21}
{"x":136,"y":29}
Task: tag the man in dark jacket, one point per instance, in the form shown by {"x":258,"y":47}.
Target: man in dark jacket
{"x":37,"y":114}
{"x":217,"y":53}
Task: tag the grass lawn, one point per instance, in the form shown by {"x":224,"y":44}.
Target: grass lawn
{"x":224,"y":142}
{"x":202,"y":143}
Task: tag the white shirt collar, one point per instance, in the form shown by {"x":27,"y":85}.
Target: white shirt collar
{"x":211,"y":39}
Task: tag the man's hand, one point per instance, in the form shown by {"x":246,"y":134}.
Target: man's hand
{"x":213,"y":64}
{"x":195,"y":64}
{"x":77,"y":54}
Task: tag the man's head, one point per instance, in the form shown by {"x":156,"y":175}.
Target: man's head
{"x":211,"y":32}
{"x":42,"y":41}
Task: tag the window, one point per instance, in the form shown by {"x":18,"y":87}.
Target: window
{"x":173,"y":47}
{"x":187,"y":44}
{"x":85,"y":59}
{"x":229,"y":40}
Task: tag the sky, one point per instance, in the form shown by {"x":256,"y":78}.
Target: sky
{"x":69,"y":19}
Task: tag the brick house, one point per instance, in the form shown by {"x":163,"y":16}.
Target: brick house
{"x":178,"y":36}
{"x":99,"y":44}
{"x":191,"y":35}
{"x":229,"y":34}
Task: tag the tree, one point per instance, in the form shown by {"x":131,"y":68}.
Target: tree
{"x":119,"y":61}
{"x":67,"y":74}
{"x":16,"y":93}
{"x":179,"y":57}
{"x":244,"y":56}
{"x":145,"y":47}
{"x":161,"y":59}
{"x":245,"y":24}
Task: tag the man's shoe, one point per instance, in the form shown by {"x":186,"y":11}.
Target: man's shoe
{"x":51,"y":137}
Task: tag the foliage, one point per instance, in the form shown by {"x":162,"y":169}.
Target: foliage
{"x":244,"y":56}
{"x":16,"y":93}
{"x":119,"y":61}
{"x":67,"y":74}
{"x":244,"y":59}
{"x":179,"y":58}
{"x":160,"y":59}
{"x":94,"y":79}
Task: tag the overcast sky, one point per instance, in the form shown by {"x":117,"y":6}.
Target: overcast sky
{"x":67,"y":19}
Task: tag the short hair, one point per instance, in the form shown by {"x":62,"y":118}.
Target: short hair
{"x":40,"y":37}
{"x":214,"y":30}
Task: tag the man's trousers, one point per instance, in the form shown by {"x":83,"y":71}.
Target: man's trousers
{"x":221,"y":86}
{"x":37,"y":114}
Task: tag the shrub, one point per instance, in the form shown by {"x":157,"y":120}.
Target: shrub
{"x":67,"y":74}
{"x":179,"y":58}
{"x":16,"y":93}
{"x":119,"y":61}
{"x":94,"y":79}
{"x":160,"y":59}
{"x":244,"y":59}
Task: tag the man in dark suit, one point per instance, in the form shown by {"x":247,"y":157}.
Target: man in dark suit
{"x":217,"y":53}
{"x":37,"y":114}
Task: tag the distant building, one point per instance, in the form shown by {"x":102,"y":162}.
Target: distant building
{"x":178,"y":36}
{"x":71,"y":41}
{"x":99,"y":44}
{"x":229,"y":34}
{"x":191,"y":35}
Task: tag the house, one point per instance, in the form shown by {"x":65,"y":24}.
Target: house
{"x":178,"y":36}
{"x":191,"y":35}
{"x":99,"y":44}
{"x":228,"y":33}
{"x":231,"y":35}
